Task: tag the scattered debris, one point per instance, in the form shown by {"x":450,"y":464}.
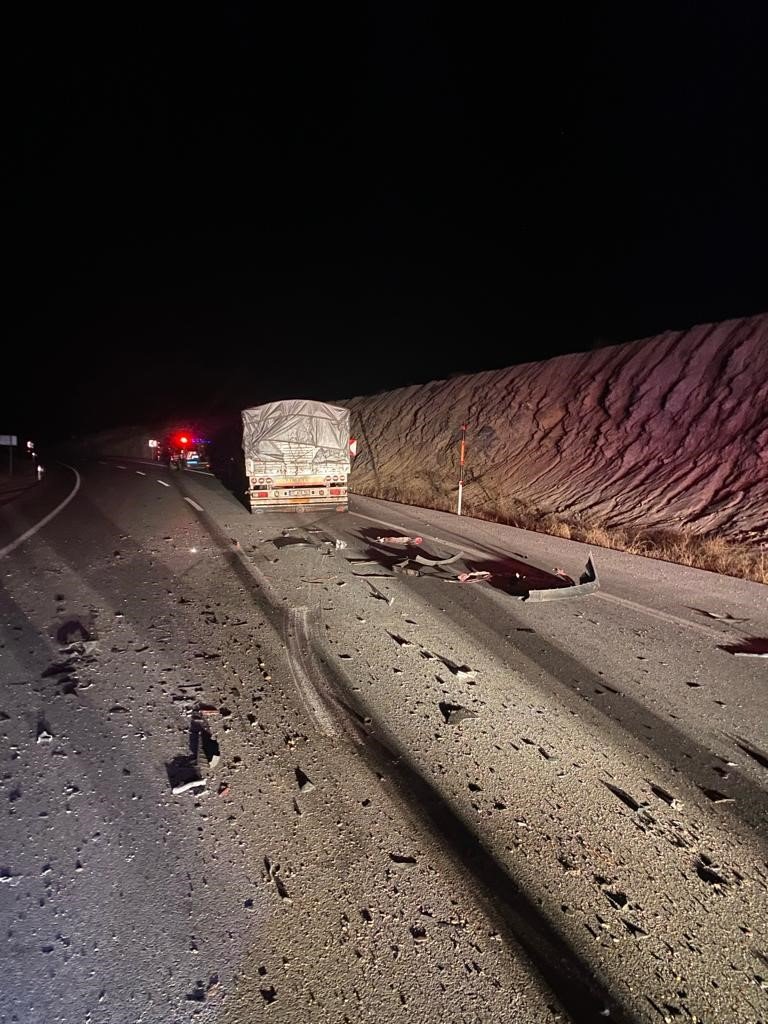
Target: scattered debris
{"x":634,"y":929}
{"x":399,"y":540}
{"x":563,"y":575}
{"x":706,"y":872}
{"x":211,"y":748}
{"x":662,"y":794}
{"x":588,"y":584}
{"x":716,"y":796}
{"x":726,"y":616}
{"x":626,"y":798}
{"x":753,"y":647}
{"x":44,"y":735}
{"x":473,"y":577}
{"x":400,"y":640}
{"x":402,"y":858}
{"x":618,"y":899}
{"x":423,"y":560}
{"x":304,"y":782}
{"x":192,"y":784}
{"x":375,"y":592}
{"x":752,"y":751}
{"x":72,"y":631}
{"x":269,"y":995}
{"x":455,"y":713}
{"x":223,"y":789}
{"x":340,"y":545}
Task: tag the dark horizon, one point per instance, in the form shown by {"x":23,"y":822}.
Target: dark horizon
{"x":224,"y":210}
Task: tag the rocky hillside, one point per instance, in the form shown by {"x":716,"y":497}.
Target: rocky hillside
{"x":668,"y":431}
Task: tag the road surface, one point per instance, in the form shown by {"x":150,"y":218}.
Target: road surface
{"x":416,"y":799}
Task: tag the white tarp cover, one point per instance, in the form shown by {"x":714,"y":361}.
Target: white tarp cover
{"x":296,"y":429}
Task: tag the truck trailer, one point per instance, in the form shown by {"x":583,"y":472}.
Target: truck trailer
{"x":297,"y":455}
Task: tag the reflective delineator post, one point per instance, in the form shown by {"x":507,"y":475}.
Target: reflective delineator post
{"x":462,"y":451}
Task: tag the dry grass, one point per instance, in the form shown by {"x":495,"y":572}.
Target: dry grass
{"x":714,"y":553}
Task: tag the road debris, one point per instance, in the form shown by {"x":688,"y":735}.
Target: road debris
{"x":272,"y":875}
{"x":626,"y":798}
{"x":399,"y":541}
{"x":455,"y":713}
{"x":375,"y":592}
{"x":402,"y":858}
{"x":474,"y":577}
{"x":725,"y":616}
{"x":186,"y":786}
{"x":752,"y":647}
{"x":400,"y":640}
{"x":662,"y":794}
{"x":423,"y":560}
{"x":752,"y":751}
{"x":306,"y":785}
{"x":716,"y":796}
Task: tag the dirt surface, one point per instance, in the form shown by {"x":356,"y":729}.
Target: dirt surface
{"x":423,"y":800}
{"x":668,"y":431}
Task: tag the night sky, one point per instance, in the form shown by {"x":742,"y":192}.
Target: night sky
{"x":215,"y":206}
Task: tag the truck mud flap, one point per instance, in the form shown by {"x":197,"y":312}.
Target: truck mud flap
{"x":588,"y":584}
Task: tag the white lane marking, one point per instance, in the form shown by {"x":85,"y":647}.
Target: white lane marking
{"x":163,"y":483}
{"x":139,"y":473}
{"x":195,"y":505}
{"x":656,"y":613}
{"x":46,"y":519}
{"x":103,"y":463}
{"x":652,"y":613}
{"x":120,"y":467}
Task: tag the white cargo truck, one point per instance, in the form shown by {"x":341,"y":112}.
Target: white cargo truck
{"x":297,"y":455}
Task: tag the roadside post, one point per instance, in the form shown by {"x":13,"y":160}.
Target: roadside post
{"x":462,"y":453}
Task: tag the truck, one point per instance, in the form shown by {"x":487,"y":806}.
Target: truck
{"x":297,"y":456}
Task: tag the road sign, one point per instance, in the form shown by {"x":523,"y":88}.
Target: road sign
{"x":11,"y":440}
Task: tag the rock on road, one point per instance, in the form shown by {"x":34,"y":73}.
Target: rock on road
{"x":412,"y":799}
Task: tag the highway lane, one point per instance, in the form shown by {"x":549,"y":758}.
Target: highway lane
{"x":297,"y":885}
{"x":617,"y":765}
{"x":593,"y":825}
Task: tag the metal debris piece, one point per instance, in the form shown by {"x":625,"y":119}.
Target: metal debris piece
{"x":306,"y":785}
{"x":626,"y":798}
{"x":726,"y":616}
{"x":185,"y":786}
{"x":473,"y":577}
{"x":564,"y":576}
{"x":716,"y":796}
{"x":752,"y":751}
{"x":399,"y":540}
{"x":455,"y":713}
{"x":375,"y":592}
{"x":423,"y":560}
{"x":588,"y":584}
{"x":662,"y":794}
{"x":400,"y":640}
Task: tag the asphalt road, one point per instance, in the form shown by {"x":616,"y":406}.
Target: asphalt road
{"x":423,"y":800}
